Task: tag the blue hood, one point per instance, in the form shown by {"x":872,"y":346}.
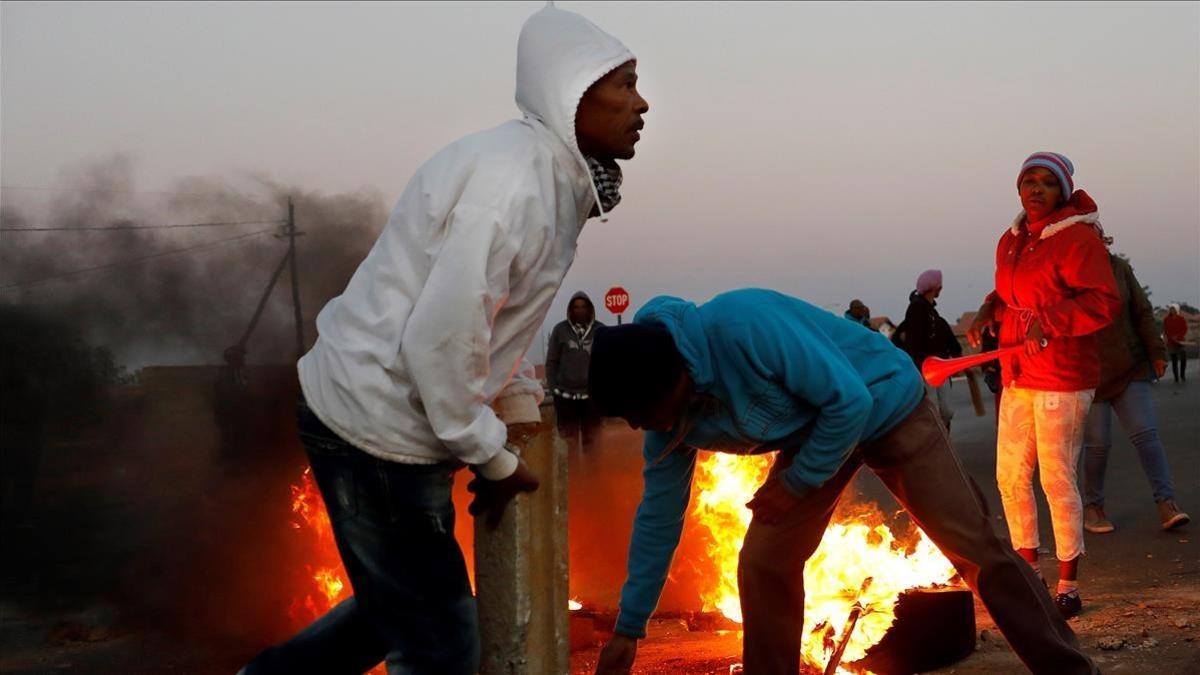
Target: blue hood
{"x":682,"y":319}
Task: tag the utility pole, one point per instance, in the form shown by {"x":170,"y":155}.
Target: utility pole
{"x":291,"y":233}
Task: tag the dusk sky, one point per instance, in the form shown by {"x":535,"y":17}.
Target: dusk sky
{"x":830,"y":151}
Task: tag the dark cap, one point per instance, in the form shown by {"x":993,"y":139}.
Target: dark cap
{"x":633,"y":367}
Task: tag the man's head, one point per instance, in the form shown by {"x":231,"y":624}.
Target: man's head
{"x":580,"y":311}
{"x":636,"y":372}
{"x":580,"y":82}
{"x":1045,"y":183}
{"x":1173,"y":309}
{"x":610,"y":115}
{"x":858,"y":310}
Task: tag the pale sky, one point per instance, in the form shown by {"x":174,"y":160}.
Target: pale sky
{"x":830,"y":151}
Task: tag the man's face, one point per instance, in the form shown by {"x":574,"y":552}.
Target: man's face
{"x":664,"y":415}
{"x":580,"y":312}
{"x":1040,"y":193}
{"x":610,"y":115}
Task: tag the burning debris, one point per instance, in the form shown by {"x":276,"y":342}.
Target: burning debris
{"x":853,"y":583}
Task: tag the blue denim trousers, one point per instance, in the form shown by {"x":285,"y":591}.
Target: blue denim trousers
{"x":1135,"y":408}
{"x":394,"y":526}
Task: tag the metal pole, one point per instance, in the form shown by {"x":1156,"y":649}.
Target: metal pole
{"x":262,"y":302}
{"x":291,"y":231}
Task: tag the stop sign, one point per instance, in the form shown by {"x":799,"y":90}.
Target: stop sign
{"x":616,"y":300}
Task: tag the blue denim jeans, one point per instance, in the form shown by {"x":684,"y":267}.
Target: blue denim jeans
{"x":1135,"y":409}
{"x":394,"y":526}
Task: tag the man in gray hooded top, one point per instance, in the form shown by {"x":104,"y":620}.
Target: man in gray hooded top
{"x":567,"y":359}
{"x":419,"y":366}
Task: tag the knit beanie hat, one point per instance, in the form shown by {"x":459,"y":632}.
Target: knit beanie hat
{"x":1059,"y":165}
{"x":633,"y":367}
{"x":929,"y":280}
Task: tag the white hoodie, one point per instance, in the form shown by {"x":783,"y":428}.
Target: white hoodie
{"x":433,"y":326}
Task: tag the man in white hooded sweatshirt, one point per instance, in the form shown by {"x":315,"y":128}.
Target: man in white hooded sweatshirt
{"x":419,"y":367}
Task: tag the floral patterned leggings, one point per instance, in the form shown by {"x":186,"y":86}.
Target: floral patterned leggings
{"x":1042,"y":430}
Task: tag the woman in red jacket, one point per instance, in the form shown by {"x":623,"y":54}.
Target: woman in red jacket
{"x":1054,"y":291}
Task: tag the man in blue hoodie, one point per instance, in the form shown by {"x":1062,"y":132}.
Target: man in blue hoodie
{"x":756,"y":371}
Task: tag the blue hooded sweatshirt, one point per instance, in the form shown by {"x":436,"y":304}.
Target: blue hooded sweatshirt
{"x":771,"y":372}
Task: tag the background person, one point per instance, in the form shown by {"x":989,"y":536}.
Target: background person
{"x":859,"y":313}
{"x":924,"y":333}
{"x":1131,"y":352}
{"x":567,"y":358}
{"x":1175,"y":328}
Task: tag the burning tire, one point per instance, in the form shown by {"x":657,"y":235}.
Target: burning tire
{"x":934,"y":628}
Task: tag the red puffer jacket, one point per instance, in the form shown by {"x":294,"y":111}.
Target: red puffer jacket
{"x":1058,"y":272}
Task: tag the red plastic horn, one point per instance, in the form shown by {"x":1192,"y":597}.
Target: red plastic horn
{"x":937,"y":370}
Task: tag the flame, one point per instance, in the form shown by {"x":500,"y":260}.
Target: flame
{"x":574,"y":605}
{"x":724,"y":483}
{"x":328,"y":584}
{"x":325,"y":570}
{"x":836,"y":576}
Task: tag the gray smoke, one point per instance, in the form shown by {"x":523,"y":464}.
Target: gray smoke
{"x":185,"y":307}
{"x":193,"y":538}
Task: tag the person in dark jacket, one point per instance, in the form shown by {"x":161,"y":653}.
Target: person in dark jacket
{"x":1131,"y":351}
{"x":567,"y":359}
{"x":924,"y":333}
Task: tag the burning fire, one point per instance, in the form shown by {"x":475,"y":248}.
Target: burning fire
{"x":724,"y":483}
{"x":574,"y":605}
{"x":329,"y":585}
{"x":855,"y":563}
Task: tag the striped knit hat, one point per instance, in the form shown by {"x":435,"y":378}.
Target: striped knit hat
{"x":1059,"y":165}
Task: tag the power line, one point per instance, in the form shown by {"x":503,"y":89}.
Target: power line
{"x":32,"y":188}
{"x":133,"y":261}
{"x":109,"y":228}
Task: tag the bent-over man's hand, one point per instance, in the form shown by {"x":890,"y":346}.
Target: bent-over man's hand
{"x":772,"y":501}
{"x":493,"y":496}
{"x":617,"y":656}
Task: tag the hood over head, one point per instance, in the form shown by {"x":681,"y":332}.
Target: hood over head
{"x":682,"y":319}
{"x":560,"y":55}
{"x":580,"y":295}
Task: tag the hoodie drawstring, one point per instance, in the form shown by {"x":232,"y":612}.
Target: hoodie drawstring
{"x":596,"y":195}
